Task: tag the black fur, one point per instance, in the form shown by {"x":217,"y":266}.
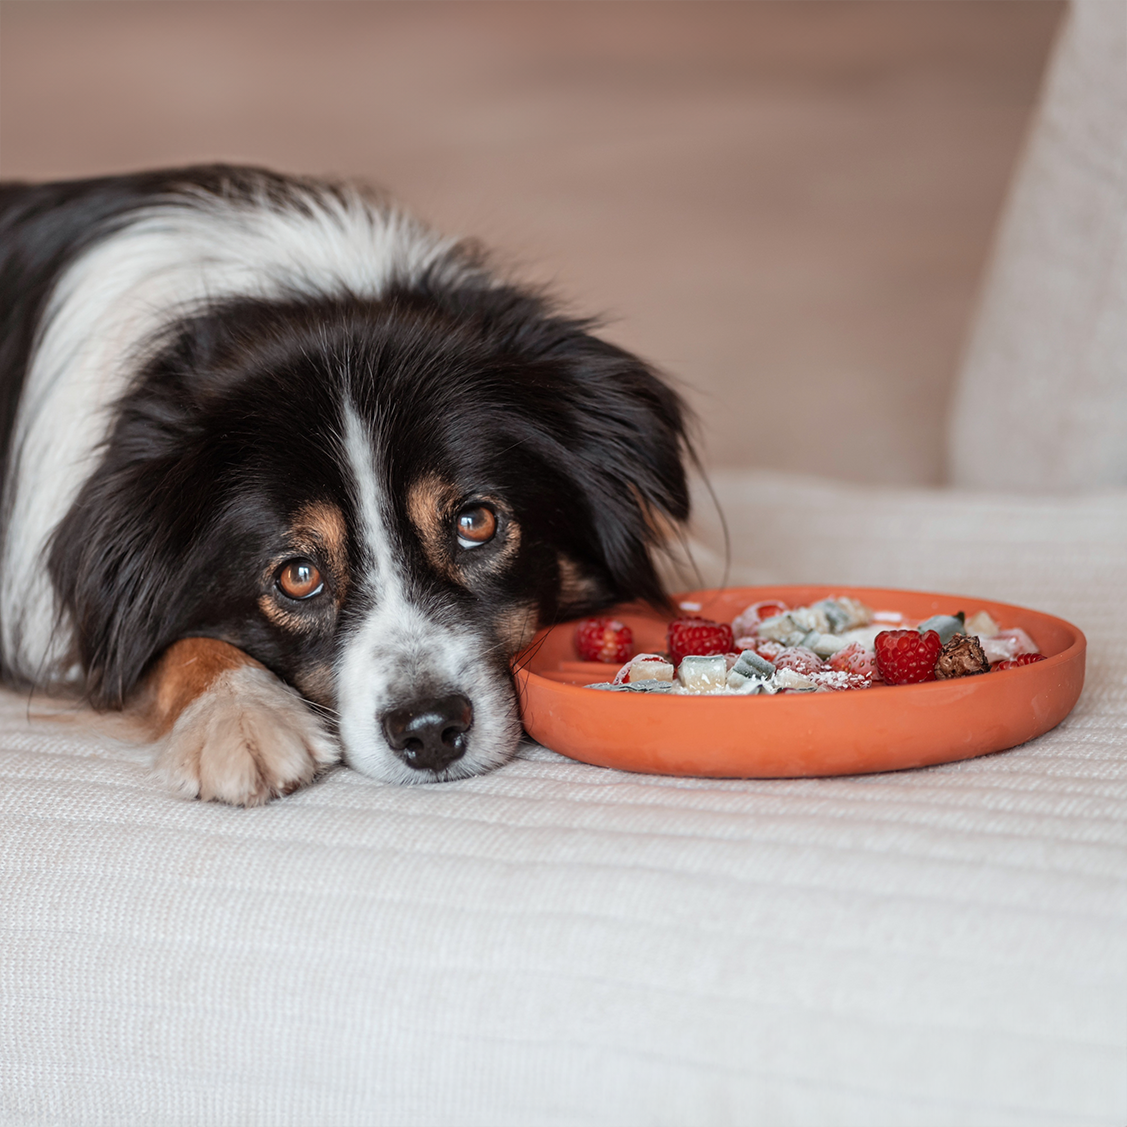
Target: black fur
{"x":235,"y":424}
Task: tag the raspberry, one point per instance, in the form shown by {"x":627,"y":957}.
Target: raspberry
{"x":907,"y":657}
{"x":855,"y":659}
{"x":698,"y":636}
{"x":1021,"y":659}
{"x":604,"y":639}
{"x":800,"y":659}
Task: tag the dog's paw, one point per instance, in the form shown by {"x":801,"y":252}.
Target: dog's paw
{"x":245,"y":740}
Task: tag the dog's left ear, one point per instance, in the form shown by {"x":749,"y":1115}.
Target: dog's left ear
{"x":625,"y":438}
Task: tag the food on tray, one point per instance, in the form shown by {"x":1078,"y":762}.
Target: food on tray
{"x":907,"y":657}
{"x":698,"y":636}
{"x":833,"y":645}
{"x":962,"y":656}
{"x":604,"y":639}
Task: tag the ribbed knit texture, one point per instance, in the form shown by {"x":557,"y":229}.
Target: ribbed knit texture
{"x":559,"y":944}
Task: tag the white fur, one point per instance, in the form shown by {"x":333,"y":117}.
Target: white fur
{"x":399,"y":651}
{"x":110,"y":306}
{"x":247,"y":739}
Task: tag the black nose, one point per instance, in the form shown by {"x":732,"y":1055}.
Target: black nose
{"x":430,"y":734}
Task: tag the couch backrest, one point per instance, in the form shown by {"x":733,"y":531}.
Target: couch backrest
{"x":1042,"y":397}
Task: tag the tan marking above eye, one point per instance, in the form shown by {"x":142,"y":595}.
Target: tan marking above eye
{"x":300,"y":579}
{"x":477,"y":524}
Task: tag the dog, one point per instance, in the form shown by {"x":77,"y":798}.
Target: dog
{"x":294,"y":477}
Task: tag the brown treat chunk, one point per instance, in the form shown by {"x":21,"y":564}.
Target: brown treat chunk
{"x":961,"y":657}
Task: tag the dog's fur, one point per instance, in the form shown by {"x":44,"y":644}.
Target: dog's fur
{"x":208,"y":374}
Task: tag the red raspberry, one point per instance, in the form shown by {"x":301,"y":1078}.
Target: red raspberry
{"x":695,"y":635}
{"x":905,"y":657}
{"x":604,"y":639}
{"x":855,"y":659}
{"x":800,"y":659}
{"x":1021,"y":659}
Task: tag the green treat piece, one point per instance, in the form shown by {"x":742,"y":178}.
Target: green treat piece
{"x":750,"y":664}
{"x":836,"y":615}
{"x":945,"y":625}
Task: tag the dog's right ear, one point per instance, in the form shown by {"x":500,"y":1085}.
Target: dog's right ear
{"x":124,"y":560}
{"x":121,"y":577}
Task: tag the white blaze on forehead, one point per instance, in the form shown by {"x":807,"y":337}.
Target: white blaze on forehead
{"x":398,"y":653}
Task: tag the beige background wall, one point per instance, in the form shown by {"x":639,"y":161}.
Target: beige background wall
{"x":787,"y":205}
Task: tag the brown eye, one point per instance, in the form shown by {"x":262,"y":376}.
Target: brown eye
{"x":299,"y":579}
{"x":476,"y":525}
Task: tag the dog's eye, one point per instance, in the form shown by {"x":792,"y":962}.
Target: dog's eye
{"x":477,"y":525}
{"x":299,"y":579}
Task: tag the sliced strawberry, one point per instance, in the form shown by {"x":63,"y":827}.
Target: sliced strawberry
{"x":839,"y":680}
{"x":698,"y":636}
{"x":907,"y":657}
{"x":800,"y":659}
{"x":603,"y":639}
{"x":1017,"y":662}
{"x":747,"y":621}
{"x":855,"y":659}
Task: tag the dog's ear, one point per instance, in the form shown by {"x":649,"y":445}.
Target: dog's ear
{"x":603,"y":426}
{"x":125,"y":560}
{"x":626,"y":454}
{"x":613,"y":437}
{"x":119,"y":582}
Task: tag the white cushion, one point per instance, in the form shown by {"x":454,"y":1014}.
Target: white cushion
{"x":559,"y":944}
{"x":1042,"y":398}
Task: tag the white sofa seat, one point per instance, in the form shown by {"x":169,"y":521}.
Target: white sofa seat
{"x":559,"y":944}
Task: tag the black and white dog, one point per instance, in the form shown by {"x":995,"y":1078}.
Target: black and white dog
{"x":282,"y":468}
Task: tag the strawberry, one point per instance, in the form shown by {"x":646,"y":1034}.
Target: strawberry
{"x":767,"y":649}
{"x":695,"y":635}
{"x":907,"y":657}
{"x":603,"y":639}
{"x":1021,"y":659}
{"x":747,"y":622}
{"x":855,"y":659}
{"x":800,"y":659}
{"x":839,"y":680}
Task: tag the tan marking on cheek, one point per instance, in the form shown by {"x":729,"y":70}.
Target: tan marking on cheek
{"x":516,"y":626}
{"x":430,"y":503}
{"x":317,"y":683}
{"x":290,"y":621}
{"x":184,"y":672}
{"x":509,"y":549}
{"x":575,"y":587}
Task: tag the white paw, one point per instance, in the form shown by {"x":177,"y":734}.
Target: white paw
{"x":247,"y":739}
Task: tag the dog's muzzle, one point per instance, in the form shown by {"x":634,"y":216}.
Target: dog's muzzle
{"x":429,"y":735}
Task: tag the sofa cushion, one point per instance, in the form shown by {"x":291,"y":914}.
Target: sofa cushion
{"x":557,"y":944}
{"x":1042,"y":398}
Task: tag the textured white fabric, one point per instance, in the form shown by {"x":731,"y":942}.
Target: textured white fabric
{"x":559,"y":944}
{"x":1042,"y":398}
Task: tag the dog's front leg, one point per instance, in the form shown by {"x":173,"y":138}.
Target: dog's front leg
{"x":230,"y":730}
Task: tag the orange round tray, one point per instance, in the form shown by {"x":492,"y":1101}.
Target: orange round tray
{"x":884,"y":728}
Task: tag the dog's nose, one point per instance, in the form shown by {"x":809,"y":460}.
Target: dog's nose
{"x":430,"y":734}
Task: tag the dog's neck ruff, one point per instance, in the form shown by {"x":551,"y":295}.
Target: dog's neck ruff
{"x":114,"y":305}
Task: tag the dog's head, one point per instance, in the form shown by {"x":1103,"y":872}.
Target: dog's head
{"x":380,"y":500}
